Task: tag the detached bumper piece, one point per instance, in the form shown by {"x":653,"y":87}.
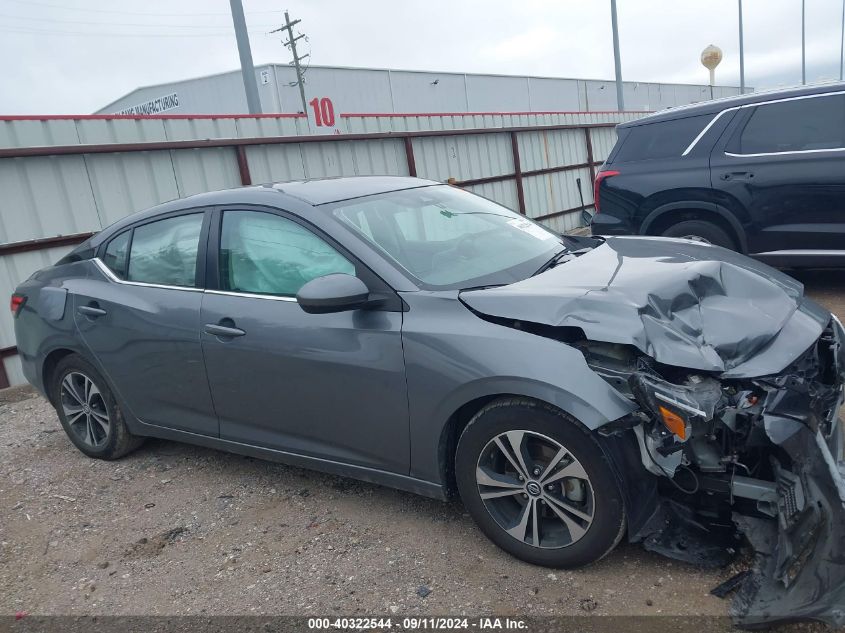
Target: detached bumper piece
{"x":799,"y":571}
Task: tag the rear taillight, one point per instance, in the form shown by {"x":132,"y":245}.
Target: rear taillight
{"x":597,"y":186}
{"x":17,"y":303}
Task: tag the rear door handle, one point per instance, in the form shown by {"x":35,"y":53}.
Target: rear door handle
{"x":92,"y":311}
{"x":223,"y":331}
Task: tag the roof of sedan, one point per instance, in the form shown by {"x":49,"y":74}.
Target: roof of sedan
{"x":327,"y":190}
{"x":717,"y":105}
{"x":313,"y":192}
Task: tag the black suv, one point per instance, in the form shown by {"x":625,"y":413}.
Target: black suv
{"x":763,"y":174}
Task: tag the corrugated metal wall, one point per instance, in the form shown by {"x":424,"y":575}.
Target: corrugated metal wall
{"x":60,"y":195}
{"x":51,"y":131}
{"x":356,"y":123}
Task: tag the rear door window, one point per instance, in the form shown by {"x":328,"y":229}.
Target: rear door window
{"x":797,"y":125}
{"x":667,"y":139}
{"x":165,"y":252}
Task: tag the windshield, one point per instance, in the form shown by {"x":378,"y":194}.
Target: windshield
{"x":448,"y":238}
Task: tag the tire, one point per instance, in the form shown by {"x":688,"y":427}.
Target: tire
{"x":592,"y":505}
{"x":88,"y":410}
{"x":701,"y":230}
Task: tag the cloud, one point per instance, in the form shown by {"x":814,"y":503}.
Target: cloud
{"x":537,"y":42}
{"x":77,"y":59}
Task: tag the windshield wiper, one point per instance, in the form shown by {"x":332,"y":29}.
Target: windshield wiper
{"x":554,"y":261}
{"x":485,"y":287}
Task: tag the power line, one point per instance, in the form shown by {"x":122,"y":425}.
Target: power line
{"x":31,"y":31}
{"x":85,"y":22}
{"x":114,"y":11}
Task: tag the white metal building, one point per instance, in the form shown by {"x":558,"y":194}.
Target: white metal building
{"x":372,"y":90}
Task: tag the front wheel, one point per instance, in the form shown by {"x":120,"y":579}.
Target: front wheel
{"x":538,"y":485}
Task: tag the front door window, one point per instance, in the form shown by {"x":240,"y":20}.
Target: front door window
{"x":263,"y":253}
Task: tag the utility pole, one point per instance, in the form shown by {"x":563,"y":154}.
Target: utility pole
{"x":842,"y":43}
{"x":247,"y":69}
{"x":742,"y":54}
{"x":803,"y":45}
{"x":291,"y":43}
{"x":620,"y":100}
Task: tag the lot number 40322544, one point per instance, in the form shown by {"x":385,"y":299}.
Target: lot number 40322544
{"x":323,"y":111}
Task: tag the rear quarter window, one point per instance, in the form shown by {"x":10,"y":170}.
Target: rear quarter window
{"x":116,"y":255}
{"x":667,"y":139}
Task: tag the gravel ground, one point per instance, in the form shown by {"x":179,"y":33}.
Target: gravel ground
{"x":178,"y":530}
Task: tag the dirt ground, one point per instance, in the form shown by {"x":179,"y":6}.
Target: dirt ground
{"x":178,"y":530}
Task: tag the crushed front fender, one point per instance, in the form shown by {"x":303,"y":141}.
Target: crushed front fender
{"x":799,"y":570}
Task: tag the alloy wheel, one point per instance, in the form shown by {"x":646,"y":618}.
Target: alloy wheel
{"x":535,"y":489}
{"x":85,"y":409}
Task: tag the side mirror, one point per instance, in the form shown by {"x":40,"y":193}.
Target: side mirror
{"x":332,"y":293}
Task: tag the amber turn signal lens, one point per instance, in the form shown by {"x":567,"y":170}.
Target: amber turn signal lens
{"x":674,"y":422}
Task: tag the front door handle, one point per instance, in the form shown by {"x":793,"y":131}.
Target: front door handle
{"x":223,"y":331}
{"x":92,"y":311}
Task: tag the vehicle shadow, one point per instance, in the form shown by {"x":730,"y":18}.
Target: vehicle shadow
{"x":298,"y":513}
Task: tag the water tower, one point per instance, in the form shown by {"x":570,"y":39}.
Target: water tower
{"x":710,"y":58}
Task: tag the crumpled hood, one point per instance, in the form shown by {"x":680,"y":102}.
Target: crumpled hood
{"x":682,"y":303}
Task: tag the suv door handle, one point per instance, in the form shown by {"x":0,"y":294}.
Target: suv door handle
{"x":92,"y":311}
{"x":223,"y":331}
{"x":737,"y":175}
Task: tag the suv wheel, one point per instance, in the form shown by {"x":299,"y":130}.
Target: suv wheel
{"x":700,"y":231}
{"x":538,"y":485}
{"x":88,"y":411}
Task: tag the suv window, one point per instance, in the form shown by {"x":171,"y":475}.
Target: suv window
{"x":263,"y":253}
{"x":667,"y":139}
{"x":117,"y":254}
{"x":800,"y":124}
{"x":165,"y":252}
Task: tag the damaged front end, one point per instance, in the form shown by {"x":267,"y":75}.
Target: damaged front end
{"x":737,"y":378}
{"x":753,"y":456}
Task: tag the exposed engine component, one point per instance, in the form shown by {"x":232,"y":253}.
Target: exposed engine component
{"x":753,"y":456}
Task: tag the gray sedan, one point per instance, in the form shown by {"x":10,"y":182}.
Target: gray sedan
{"x":573,"y":391}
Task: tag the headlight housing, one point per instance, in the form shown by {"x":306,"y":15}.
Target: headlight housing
{"x":677,"y":406}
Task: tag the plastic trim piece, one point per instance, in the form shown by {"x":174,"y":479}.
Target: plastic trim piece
{"x":112,"y":277}
{"x":706,"y":128}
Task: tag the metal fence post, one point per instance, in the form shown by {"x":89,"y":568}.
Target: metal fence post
{"x":517,"y":170}
{"x":243,"y":165}
{"x":409,"y":156}
{"x":589,"y":140}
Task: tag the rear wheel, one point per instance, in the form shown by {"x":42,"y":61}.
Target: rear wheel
{"x":700,"y":231}
{"x":538,"y":485}
{"x":88,"y":411}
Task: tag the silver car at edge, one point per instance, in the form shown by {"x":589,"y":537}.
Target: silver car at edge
{"x":573,"y":391}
